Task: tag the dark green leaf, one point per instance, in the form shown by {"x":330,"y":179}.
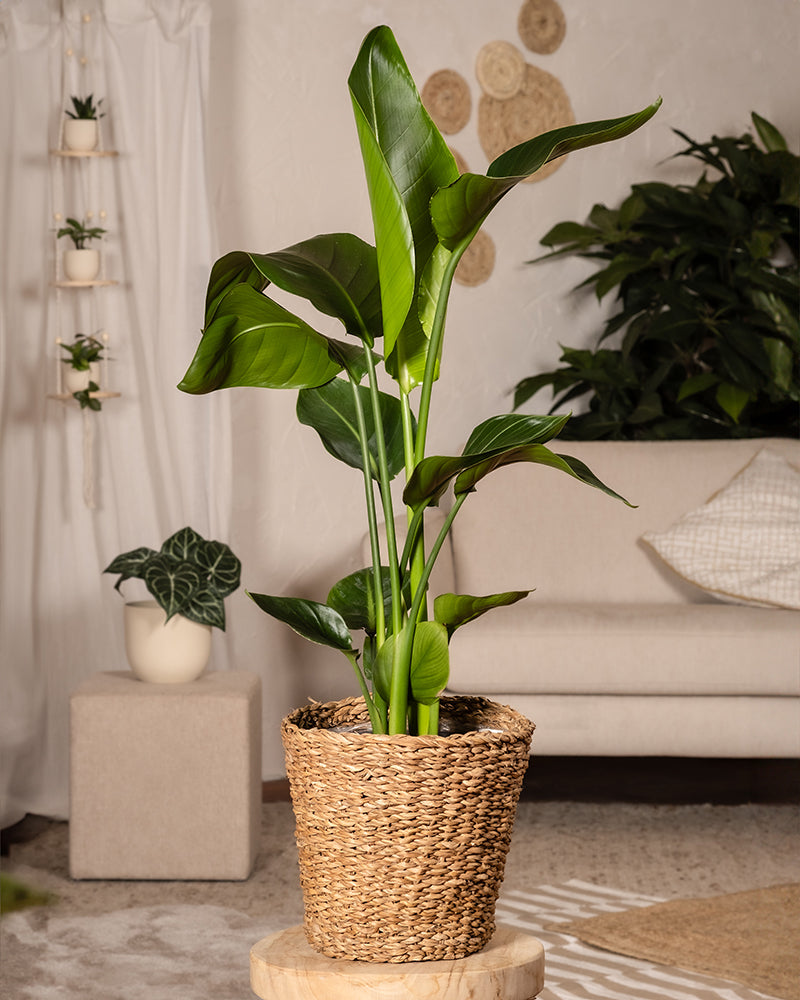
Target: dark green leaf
{"x":455,"y":610}
{"x":253,"y":341}
{"x":172,"y":582}
{"x":459,"y":210}
{"x":130,"y":564}
{"x":331,"y":410}
{"x":312,"y":620}
{"x":354,"y":599}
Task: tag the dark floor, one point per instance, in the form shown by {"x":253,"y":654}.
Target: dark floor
{"x":671,"y":780}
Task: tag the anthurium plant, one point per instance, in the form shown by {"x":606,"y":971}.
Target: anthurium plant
{"x":393,"y":295}
{"x":188,"y":576}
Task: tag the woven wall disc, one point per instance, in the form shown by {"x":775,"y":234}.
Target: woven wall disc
{"x":461,"y":163}
{"x":541,"y":104}
{"x":477,"y":264}
{"x":541,"y":25}
{"x":500,"y":69}
{"x":447,"y":99}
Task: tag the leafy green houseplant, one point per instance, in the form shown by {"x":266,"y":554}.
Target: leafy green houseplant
{"x":707,"y":321}
{"x":79,"y":233}
{"x":393,"y":296}
{"x":85,"y":354}
{"x":81,"y":130}
{"x":84,"y":108}
{"x":81,"y":263}
{"x":188,"y":576}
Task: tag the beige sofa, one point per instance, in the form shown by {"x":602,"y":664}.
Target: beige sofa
{"x":615,"y":653}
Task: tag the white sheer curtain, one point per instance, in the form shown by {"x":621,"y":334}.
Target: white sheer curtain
{"x":78,"y":488}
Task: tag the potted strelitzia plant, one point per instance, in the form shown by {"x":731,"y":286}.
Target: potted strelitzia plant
{"x":388,"y":787}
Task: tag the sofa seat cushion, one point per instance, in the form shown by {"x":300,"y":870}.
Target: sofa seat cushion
{"x":647,"y":649}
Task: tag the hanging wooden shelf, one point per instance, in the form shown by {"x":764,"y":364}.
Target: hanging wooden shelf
{"x":84,"y":152}
{"x":85,"y":284}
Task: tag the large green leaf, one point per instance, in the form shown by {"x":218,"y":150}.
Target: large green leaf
{"x":504,"y":434}
{"x":253,"y":341}
{"x":430,"y":663}
{"x":455,"y":610}
{"x":459,"y":210}
{"x":234,"y":268}
{"x":406,"y":161}
{"x":337,"y":273}
{"x":183,"y":545}
{"x":354,"y":598}
{"x":310,"y":619}
{"x":331,"y":410}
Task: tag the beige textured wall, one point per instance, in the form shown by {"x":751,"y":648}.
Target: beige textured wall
{"x":286,"y":166}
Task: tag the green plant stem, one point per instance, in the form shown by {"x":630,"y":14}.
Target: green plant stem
{"x":372,"y":520}
{"x":386,"y":499}
{"x":435,"y":348}
{"x":377,"y":721}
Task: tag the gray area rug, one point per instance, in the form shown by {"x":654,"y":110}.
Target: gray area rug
{"x":186,"y":952}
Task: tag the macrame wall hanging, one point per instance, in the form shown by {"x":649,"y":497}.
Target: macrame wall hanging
{"x":79,"y":177}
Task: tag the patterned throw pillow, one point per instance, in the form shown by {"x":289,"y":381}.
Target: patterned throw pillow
{"x":743,"y":545}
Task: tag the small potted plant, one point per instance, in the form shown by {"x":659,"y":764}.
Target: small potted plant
{"x":81,"y":126}
{"x":82,"y":369}
{"x":81,"y":263}
{"x":168,"y":638}
{"x":398,"y":861}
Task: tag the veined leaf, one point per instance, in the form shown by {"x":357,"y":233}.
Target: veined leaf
{"x":253,"y":341}
{"x":172,"y":582}
{"x":234,"y":268}
{"x":354,"y":598}
{"x":511,"y":429}
{"x":310,"y":619}
{"x":455,"y":610}
{"x":331,"y":410}
{"x":459,"y":210}
{"x":337,"y":273}
{"x":129,"y":564}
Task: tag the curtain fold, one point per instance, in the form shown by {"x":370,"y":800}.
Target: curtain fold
{"x":79,"y":487}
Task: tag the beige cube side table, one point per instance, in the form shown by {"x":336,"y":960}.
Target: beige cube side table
{"x":165,"y":779}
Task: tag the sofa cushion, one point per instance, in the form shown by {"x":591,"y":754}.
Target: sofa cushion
{"x":744,"y":544}
{"x":647,"y":649}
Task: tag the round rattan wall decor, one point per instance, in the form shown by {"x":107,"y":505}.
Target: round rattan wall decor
{"x":477,"y":264}
{"x":447,"y":99}
{"x":542,"y":25}
{"x":500,"y":69}
{"x":541,"y":104}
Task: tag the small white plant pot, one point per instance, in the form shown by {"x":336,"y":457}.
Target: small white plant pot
{"x":77,"y":381}
{"x":164,"y":652}
{"x":81,"y":265}
{"x":80,"y":134}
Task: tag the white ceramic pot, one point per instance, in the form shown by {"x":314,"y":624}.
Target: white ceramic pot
{"x":81,"y":265}
{"x":164,"y":652}
{"x":77,"y":381}
{"x":80,"y":134}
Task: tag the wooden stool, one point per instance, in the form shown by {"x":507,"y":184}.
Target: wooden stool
{"x":284,"y":967}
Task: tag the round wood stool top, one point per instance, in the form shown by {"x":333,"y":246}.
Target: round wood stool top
{"x":284,"y":965}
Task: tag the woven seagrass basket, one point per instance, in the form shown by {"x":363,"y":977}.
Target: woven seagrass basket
{"x":402,"y":840}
